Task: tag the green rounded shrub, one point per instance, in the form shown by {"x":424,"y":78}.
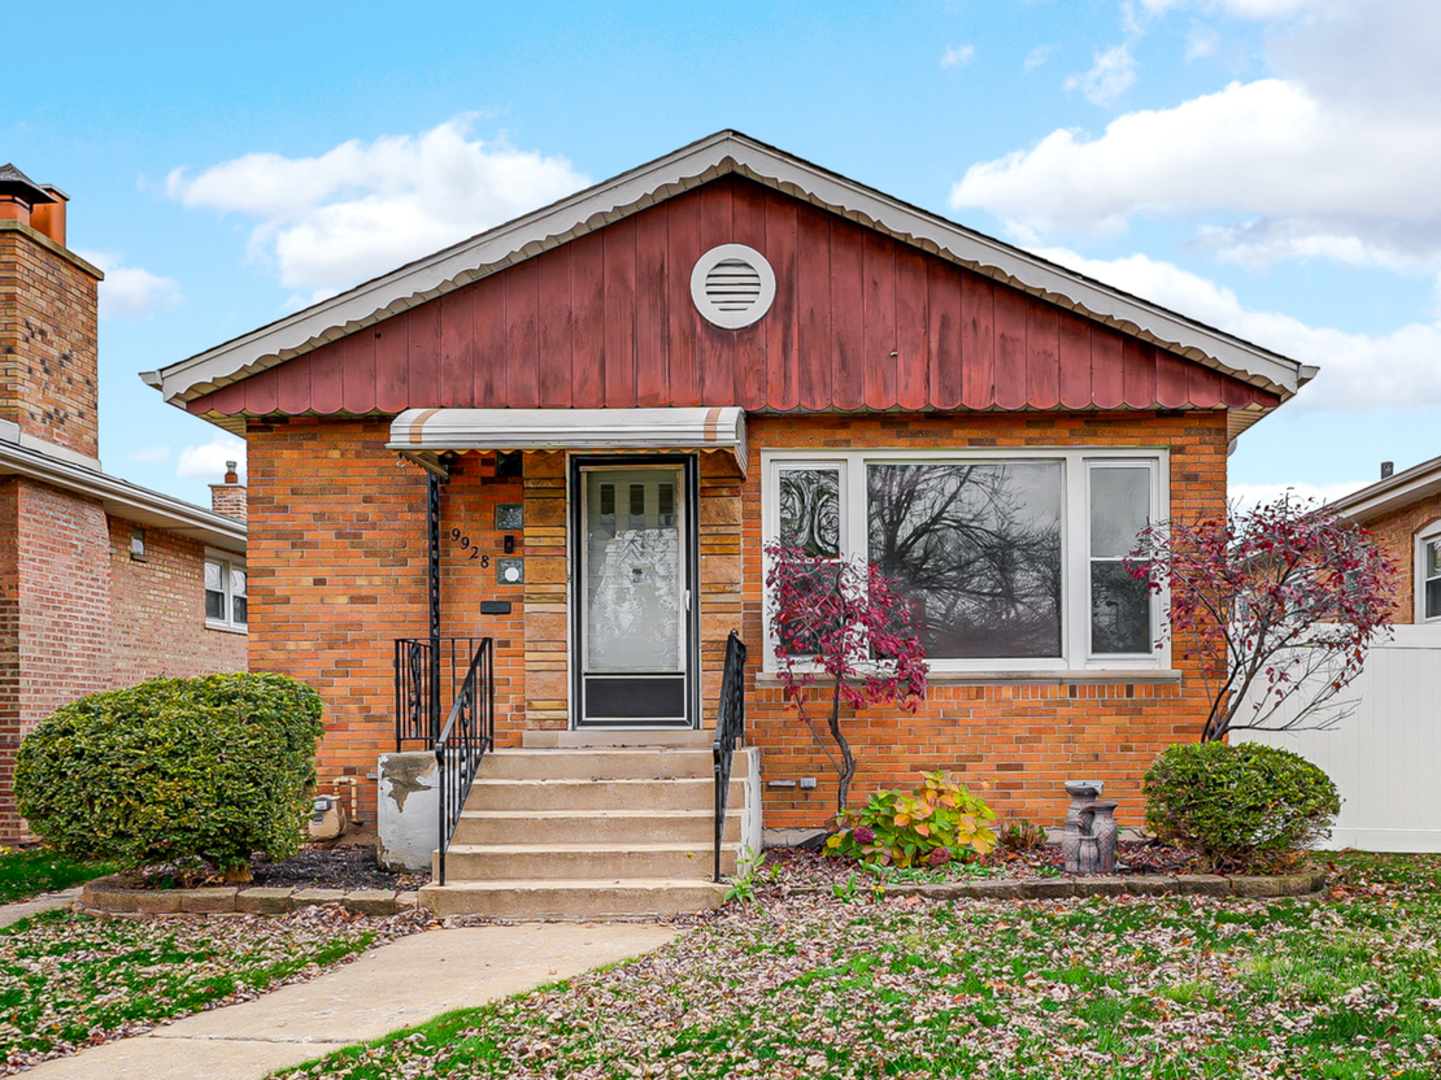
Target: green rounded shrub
{"x":1243,"y":806}
{"x":216,"y":767}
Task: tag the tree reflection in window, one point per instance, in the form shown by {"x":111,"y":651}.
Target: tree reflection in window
{"x":811,"y":511}
{"x":976,"y":549}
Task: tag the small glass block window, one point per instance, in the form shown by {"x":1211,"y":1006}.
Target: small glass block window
{"x":226,"y":600}
{"x":137,"y":543}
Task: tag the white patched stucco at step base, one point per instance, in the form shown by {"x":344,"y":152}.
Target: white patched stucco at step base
{"x":407,"y":820}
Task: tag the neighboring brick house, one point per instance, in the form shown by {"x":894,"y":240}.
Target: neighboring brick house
{"x":1403,"y":510}
{"x":102,"y":583}
{"x":629,"y":391}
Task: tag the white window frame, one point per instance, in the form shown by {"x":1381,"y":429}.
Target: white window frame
{"x":228,"y":561}
{"x":1076,"y":464}
{"x":1431,"y":534}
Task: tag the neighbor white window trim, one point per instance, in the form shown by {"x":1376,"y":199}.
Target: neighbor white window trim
{"x":228,"y":561}
{"x":1428,"y":535}
{"x":1076,"y":465}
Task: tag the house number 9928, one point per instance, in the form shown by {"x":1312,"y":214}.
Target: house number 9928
{"x":465,"y":545}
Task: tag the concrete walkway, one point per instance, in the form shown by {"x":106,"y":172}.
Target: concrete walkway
{"x":394,"y":986}
{"x":13,"y":913}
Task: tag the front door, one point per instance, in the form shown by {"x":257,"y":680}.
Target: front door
{"x":635,"y":627}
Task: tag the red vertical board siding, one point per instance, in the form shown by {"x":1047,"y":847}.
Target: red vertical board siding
{"x":357,"y":369}
{"x":652,"y":307}
{"x":327,"y":381}
{"x":425,"y":382}
{"x":620,"y":304}
{"x":978,"y":341}
{"x":1107,"y":385}
{"x":946,"y":335}
{"x":1011,"y":324}
{"x":522,"y":334}
{"x":556,"y":328}
{"x":813,"y":309}
{"x":878,"y":277}
{"x":228,"y":400}
{"x":782,"y":351}
{"x":847,"y":315}
{"x":1043,"y":356}
{"x":392,"y":365}
{"x":487,"y":320}
{"x":1138,"y":367}
{"x":292,"y":385}
{"x":748,"y":355}
{"x":1075,"y":361}
{"x":913,"y":362}
{"x":1238,"y":395}
{"x":1171,"y":383}
{"x":715,"y":347}
{"x":684,"y":249}
{"x":457,"y":349}
{"x":1203,"y":387}
{"x":587,"y":297}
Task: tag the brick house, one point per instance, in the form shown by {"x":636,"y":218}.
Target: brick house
{"x":1403,"y":510}
{"x":102,"y":583}
{"x":621,"y":396}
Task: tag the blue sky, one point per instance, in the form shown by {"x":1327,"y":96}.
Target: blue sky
{"x":1272,"y":167}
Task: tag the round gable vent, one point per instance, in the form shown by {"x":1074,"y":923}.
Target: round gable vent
{"x":732,"y":285}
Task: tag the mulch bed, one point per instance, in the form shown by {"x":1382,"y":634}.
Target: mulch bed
{"x":314,"y":867}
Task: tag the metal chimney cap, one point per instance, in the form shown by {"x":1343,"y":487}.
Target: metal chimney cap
{"x":17,"y":185}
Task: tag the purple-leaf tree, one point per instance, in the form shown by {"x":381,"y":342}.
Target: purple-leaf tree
{"x":842,"y":621}
{"x":1282,"y":599}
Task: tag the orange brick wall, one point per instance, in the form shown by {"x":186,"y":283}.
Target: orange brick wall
{"x":1013,"y":743}
{"x":157,"y":611}
{"x":338,"y":569}
{"x":47,"y":340}
{"x":1396,"y":533}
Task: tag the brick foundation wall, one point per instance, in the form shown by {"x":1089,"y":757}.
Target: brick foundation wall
{"x":338,"y":565}
{"x":48,"y":382}
{"x":157,"y":611}
{"x":1396,"y":533}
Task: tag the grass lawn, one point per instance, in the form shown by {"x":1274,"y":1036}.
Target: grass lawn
{"x":70,"y":981}
{"x":27,"y":873}
{"x":815,"y":987}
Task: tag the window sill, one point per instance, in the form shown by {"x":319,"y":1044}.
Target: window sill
{"x":223,"y":628}
{"x":1028,"y":678}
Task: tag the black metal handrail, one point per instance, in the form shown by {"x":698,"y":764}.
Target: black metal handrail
{"x":418,"y":711}
{"x":730,"y":728}
{"x":469,"y":733}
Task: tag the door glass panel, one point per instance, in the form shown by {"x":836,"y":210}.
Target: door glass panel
{"x":633,"y":617}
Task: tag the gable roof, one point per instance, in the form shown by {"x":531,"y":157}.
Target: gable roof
{"x":1408,"y":486}
{"x":721,"y":154}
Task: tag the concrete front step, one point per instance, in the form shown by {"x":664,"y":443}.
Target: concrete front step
{"x":600,"y":738}
{"x":594,"y":826}
{"x":573,"y":899}
{"x":599,"y":764}
{"x":522,"y":862}
{"x":571,"y":794}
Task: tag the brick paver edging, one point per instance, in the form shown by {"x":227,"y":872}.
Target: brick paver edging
{"x":1304,"y":884}
{"x":104,"y":896}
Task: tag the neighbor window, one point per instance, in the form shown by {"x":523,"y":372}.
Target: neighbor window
{"x":1428,"y":573}
{"x":225,"y":596}
{"x":1008,"y":562}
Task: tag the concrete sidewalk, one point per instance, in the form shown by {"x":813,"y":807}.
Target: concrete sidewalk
{"x":394,"y":986}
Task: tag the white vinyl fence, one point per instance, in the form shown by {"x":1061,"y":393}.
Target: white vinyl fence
{"x":1386,"y":757}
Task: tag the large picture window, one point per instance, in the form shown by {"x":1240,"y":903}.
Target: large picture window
{"x":1009,"y":562}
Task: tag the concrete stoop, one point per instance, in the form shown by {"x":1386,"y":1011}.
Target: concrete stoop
{"x":594,"y":832}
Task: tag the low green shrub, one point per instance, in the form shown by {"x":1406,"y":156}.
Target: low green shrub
{"x":939,"y":822}
{"x":1243,"y":806}
{"x":215,"y":767}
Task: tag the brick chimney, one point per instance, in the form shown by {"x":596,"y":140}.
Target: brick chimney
{"x":48,"y":359}
{"x":229,"y":498}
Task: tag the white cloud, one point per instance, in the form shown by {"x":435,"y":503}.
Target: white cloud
{"x":361,"y":209}
{"x":1112,"y":73}
{"x":1253,"y":494}
{"x":208,"y":461}
{"x":1038,"y":56}
{"x":957,"y":57}
{"x":129,"y":292}
{"x":1396,"y":370}
{"x":149,"y":455}
{"x":1201,"y":41}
